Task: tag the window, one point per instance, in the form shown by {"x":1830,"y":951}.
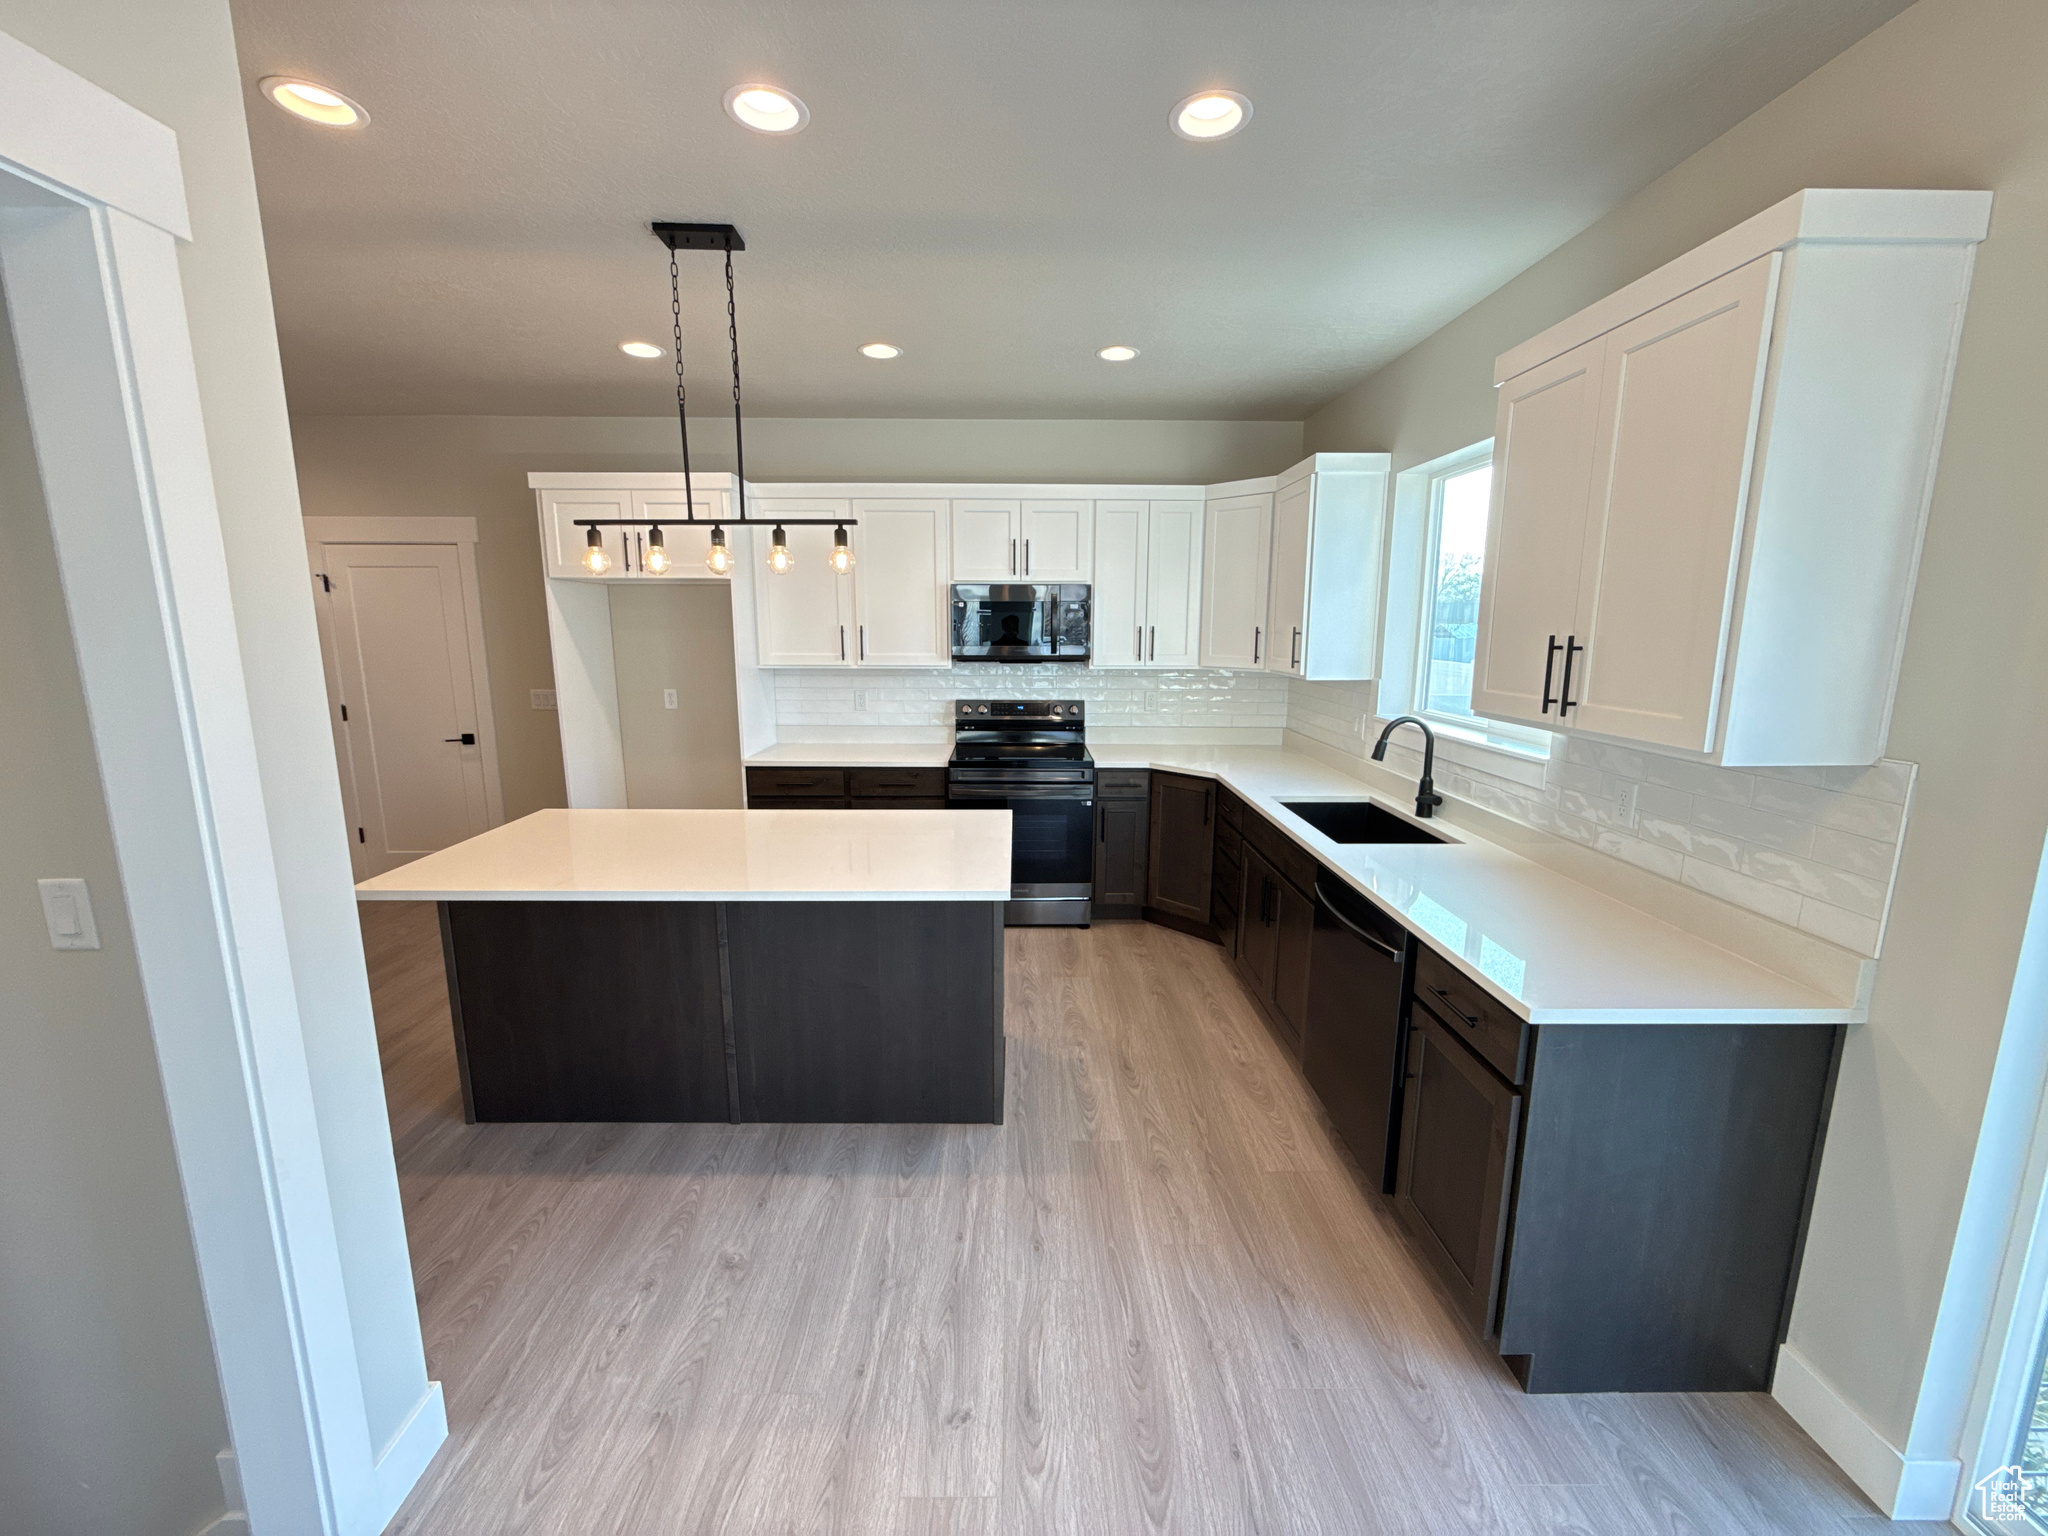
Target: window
{"x":1436,"y":554}
{"x":1458,"y":499}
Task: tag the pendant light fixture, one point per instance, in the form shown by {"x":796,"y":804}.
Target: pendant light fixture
{"x":656,"y":559}
{"x":718,"y":559}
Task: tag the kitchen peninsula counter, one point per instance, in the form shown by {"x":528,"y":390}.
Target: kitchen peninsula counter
{"x":650,"y":965}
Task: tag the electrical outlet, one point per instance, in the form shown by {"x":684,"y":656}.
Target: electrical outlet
{"x":668,"y":698}
{"x":541,"y":698}
{"x":1151,"y":701}
{"x":860,"y":701}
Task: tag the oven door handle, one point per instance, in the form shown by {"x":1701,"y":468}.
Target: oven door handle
{"x":1079,"y":794}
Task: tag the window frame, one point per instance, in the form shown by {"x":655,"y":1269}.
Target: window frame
{"x":1523,"y":741}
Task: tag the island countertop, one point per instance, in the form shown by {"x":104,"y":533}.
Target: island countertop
{"x":648,"y":855}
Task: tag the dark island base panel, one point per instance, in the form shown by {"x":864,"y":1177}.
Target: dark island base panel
{"x":1666,"y":1177}
{"x":727,"y":1011}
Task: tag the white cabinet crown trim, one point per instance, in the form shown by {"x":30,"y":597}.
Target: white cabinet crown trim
{"x":1818,"y":215}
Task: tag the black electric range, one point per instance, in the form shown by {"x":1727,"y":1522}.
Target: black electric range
{"x":1030,"y":757}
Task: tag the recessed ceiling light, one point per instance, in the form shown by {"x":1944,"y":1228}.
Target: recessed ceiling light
{"x":315,"y":103}
{"x":1117,"y":354}
{"x":766,"y":109}
{"x":1211,"y":115}
{"x":880,"y":351}
{"x":639,"y":349}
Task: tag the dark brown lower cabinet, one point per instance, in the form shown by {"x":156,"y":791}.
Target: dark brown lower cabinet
{"x":1275,"y":929}
{"x":1460,"y":1126}
{"x":1123,"y":836}
{"x":1295,"y":926}
{"x":1258,"y":936}
{"x":1183,"y":837}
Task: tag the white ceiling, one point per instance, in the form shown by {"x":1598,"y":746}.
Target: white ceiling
{"x":993,"y":187}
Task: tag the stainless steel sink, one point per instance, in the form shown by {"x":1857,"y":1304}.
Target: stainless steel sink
{"x":1359,"y":821}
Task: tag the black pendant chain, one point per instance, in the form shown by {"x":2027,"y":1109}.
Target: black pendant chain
{"x":732,"y":326}
{"x":675,"y":305}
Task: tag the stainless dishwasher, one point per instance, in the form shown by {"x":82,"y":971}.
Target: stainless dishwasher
{"x":1356,"y":1035}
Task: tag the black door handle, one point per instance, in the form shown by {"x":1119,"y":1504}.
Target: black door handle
{"x":467,"y":739}
{"x":1564,"y":693}
{"x":1549,"y":661}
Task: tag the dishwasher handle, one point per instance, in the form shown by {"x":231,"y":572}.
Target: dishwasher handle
{"x":1371,"y":940}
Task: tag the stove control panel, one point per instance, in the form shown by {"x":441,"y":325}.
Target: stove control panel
{"x":1070,"y":711}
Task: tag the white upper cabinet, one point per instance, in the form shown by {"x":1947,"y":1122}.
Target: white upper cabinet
{"x":1148,"y":583}
{"x":1323,"y":593}
{"x":1236,"y":553}
{"x":1057,"y":540}
{"x":805,"y":616}
{"x":1711,"y":487}
{"x":1119,"y":590}
{"x":1543,"y":450}
{"x":987,"y":541}
{"x":901,"y":559}
{"x":613,"y":498}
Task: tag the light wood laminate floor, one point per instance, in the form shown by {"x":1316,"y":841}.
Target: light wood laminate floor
{"x":1154,"y":1300}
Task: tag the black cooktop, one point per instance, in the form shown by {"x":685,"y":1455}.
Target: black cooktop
{"x":1019,"y":732}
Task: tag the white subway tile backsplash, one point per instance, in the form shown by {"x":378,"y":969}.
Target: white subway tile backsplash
{"x":1814,"y":848}
{"x":1193,"y":699}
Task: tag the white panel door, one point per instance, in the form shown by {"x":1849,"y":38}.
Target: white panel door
{"x":1679,"y":408}
{"x":566,"y":542}
{"x":686,"y":545}
{"x":900,"y":590}
{"x":986,"y":543}
{"x":804,"y":617}
{"x":1118,"y":595}
{"x":401,"y":644}
{"x":1058,"y":541}
{"x":1545,"y":427}
{"x":1235,"y":550}
{"x":1173,"y":584}
{"x":1287,"y":589}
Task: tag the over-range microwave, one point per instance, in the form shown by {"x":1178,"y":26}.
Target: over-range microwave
{"x":1020,"y":622}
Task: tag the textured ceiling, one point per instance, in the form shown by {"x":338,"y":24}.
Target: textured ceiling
{"x":992,"y":187}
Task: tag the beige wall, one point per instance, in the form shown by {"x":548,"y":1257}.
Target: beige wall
{"x":677,"y":636}
{"x":476,"y":466}
{"x":176,"y":61}
{"x":1949,"y":94}
{"x":110,"y":1413}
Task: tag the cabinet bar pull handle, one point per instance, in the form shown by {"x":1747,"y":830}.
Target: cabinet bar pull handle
{"x":842,"y":642}
{"x":1256,"y":633}
{"x":1564,"y":693}
{"x":1013,"y":557}
{"x":1027,"y":557}
{"x":1294,"y":651}
{"x":1153,"y":654}
{"x":1141,"y":642}
{"x":1549,"y":661}
{"x":863,"y":642}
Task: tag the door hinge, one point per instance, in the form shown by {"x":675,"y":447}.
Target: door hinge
{"x":325,"y":584}
{"x":359,"y":836}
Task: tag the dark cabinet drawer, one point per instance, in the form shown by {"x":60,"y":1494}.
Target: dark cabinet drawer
{"x":1473,"y":1014}
{"x":889,"y":803}
{"x":888,"y":783}
{"x":1286,"y":856}
{"x":1122,"y":783}
{"x":767,"y":783}
{"x":1459,"y":1127}
{"x":800,"y":803}
{"x":1229,"y":809}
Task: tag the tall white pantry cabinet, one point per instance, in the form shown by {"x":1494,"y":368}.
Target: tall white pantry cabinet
{"x":1711,"y":487}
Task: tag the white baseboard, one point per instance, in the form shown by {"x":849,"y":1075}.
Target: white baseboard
{"x":233,"y":1523}
{"x":405,"y":1458}
{"x":1900,"y":1488}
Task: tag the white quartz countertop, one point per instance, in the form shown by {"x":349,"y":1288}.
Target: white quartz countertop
{"x":1555,"y":950}
{"x":855,"y":754}
{"x":620,"y":855}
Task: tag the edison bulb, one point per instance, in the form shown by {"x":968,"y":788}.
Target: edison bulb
{"x":718,"y":559}
{"x":656,"y":559}
{"x":780,"y":560}
{"x":595,"y":560}
{"x":841,"y":558}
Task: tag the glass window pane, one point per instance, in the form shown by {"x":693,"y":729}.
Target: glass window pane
{"x":1454,"y":597}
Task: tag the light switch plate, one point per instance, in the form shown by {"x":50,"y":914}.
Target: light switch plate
{"x":541,"y":698}
{"x":860,"y":701}
{"x":668,"y":698}
{"x":67,"y":909}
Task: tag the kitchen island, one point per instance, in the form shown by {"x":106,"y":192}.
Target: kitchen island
{"x":647,"y":965}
